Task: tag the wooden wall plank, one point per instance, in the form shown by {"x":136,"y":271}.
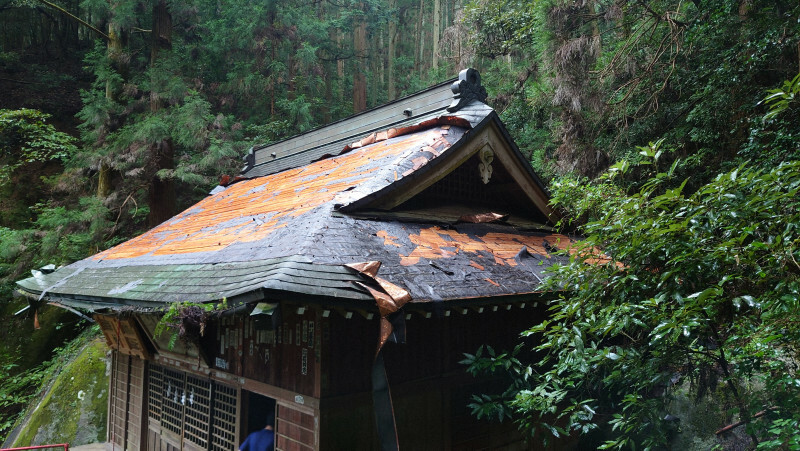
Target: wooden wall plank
{"x":295,"y":430}
{"x":288,"y":357}
{"x":430,"y":388}
{"x":348,"y":349}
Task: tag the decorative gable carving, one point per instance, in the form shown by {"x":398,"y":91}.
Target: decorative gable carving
{"x":485,"y":167}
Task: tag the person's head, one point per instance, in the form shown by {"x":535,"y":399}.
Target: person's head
{"x":270,"y":423}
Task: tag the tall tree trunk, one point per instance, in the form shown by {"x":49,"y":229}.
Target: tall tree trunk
{"x":115,"y":47}
{"x":161,"y":192}
{"x":446,"y":13}
{"x":266,"y":63}
{"x":104,"y":180}
{"x":390,"y":87}
{"x":340,"y":67}
{"x":592,"y":6}
{"x":461,"y":61}
{"x":291,"y":85}
{"x":161,"y":33}
{"x":575,"y":55}
{"x":421,"y":35}
{"x":327,"y":67}
{"x":380,"y":63}
{"x":360,"y":49}
{"x":437,"y":23}
{"x":374,"y":62}
{"x":272,"y":76}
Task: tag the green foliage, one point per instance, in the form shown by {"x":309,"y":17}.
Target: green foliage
{"x":781,"y":99}
{"x":702,"y":287}
{"x":505,"y":365}
{"x":505,"y":26}
{"x":73,"y":408}
{"x":58,"y":235}
{"x":525,"y":111}
{"x":268,"y":132}
{"x":19,"y":389}
{"x":42,"y":233}
{"x":577,"y":83}
{"x":26,"y":138}
{"x":621,"y":73}
{"x":187,"y":320}
{"x":124,"y":132}
{"x":9,"y":61}
{"x":29,"y":149}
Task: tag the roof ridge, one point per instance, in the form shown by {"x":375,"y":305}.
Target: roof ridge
{"x":362,"y":113}
{"x":441,"y":100}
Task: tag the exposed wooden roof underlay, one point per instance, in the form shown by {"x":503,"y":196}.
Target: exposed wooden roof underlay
{"x":443,"y":205}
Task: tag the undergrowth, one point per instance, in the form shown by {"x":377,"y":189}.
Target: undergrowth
{"x":18,"y":390}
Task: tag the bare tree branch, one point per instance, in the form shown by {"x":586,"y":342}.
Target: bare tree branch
{"x":76,"y":18}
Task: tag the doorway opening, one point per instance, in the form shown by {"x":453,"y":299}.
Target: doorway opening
{"x":258,"y":410}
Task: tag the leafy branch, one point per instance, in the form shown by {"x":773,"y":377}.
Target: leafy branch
{"x":780,"y":99}
{"x":691,"y":295}
{"x":187,"y":320}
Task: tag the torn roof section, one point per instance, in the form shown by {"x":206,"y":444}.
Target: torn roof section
{"x":444,"y":201}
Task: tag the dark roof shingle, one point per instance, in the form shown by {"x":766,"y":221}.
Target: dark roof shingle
{"x":281,"y":235}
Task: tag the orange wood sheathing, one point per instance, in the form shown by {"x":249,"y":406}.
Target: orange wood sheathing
{"x":437,"y":243}
{"x":388,"y":240}
{"x":211,"y":224}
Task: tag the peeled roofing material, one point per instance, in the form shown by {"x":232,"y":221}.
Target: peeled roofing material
{"x":280,"y":235}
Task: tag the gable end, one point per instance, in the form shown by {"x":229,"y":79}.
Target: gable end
{"x":482,"y":168}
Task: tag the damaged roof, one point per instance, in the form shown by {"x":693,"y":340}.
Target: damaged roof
{"x":443,"y":204}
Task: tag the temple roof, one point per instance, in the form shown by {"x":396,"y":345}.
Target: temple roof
{"x":441,"y":206}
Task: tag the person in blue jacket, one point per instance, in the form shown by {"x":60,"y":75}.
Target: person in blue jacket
{"x":262,"y":439}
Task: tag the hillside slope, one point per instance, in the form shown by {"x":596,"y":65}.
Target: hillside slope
{"x":73,"y":407}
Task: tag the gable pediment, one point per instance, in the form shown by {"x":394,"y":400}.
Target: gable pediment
{"x":483,"y":172}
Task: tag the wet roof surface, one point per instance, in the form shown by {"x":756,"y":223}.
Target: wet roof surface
{"x":281,"y":234}
{"x":256,"y":210}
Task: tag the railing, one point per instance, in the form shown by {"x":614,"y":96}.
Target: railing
{"x":60,"y":445}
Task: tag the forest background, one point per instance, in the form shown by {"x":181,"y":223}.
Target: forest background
{"x":668,"y":130}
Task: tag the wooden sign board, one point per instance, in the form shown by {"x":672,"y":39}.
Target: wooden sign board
{"x":123,"y":335}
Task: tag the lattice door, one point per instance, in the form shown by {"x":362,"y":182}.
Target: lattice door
{"x":202,"y":413}
{"x":155,"y":391}
{"x":118,"y":415}
{"x":173,"y":399}
{"x":223,"y":429}
{"x":198,"y":411}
